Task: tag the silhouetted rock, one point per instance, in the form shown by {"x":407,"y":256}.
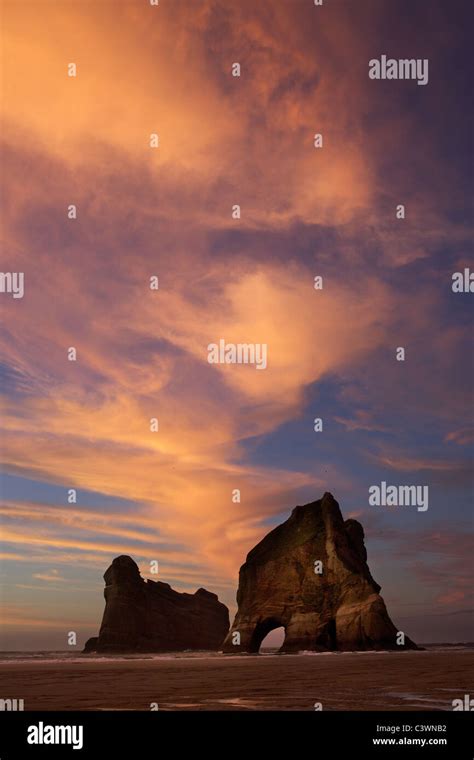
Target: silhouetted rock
{"x":91,"y":645}
{"x":339,"y":609}
{"x":149,"y":616}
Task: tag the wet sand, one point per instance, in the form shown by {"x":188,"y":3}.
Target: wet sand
{"x":356,"y":681}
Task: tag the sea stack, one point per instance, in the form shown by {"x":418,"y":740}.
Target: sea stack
{"x":147,"y":616}
{"x":310,"y":575}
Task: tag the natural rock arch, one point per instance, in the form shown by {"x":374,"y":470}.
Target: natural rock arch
{"x":261,"y":630}
{"x":337,"y":609}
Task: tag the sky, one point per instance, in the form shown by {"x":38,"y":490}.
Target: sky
{"x":166,"y":212}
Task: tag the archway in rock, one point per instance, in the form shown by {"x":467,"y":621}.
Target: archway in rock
{"x":273,"y":641}
{"x":262,"y":630}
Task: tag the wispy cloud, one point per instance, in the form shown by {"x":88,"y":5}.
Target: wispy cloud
{"x":53,"y":575}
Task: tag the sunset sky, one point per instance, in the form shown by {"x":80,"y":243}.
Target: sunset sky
{"x":141,"y":354}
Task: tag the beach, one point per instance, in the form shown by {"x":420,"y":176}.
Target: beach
{"x":411,"y":680}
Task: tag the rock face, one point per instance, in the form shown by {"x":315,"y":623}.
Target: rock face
{"x":338,"y":609}
{"x":149,"y":616}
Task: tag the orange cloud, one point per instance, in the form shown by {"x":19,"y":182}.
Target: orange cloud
{"x":143,"y":71}
{"x":461,"y":437}
{"x":52,"y":575}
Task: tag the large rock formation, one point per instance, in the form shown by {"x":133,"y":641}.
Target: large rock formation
{"x":149,"y":616}
{"x":310,"y":575}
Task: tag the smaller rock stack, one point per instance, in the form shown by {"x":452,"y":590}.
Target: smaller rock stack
{"x":149,"y":616}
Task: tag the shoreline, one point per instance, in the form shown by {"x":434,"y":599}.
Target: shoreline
{"x":420,"y":680}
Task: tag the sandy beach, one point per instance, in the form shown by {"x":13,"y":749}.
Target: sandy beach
{"x":423,"y":680}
